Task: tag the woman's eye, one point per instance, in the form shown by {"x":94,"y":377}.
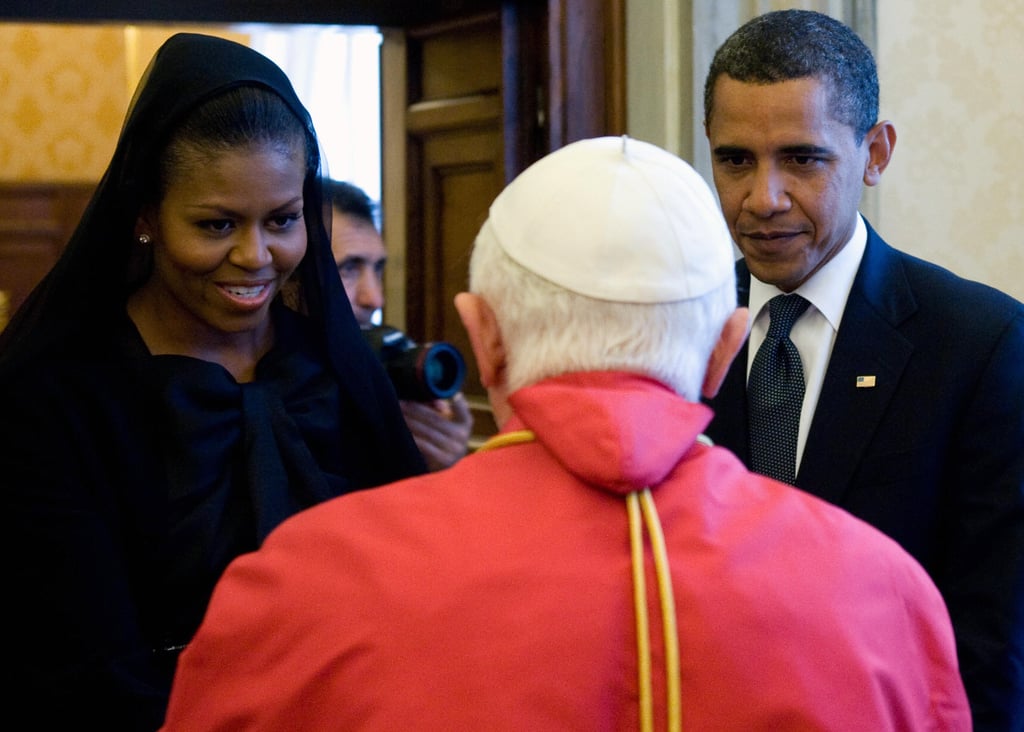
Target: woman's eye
{"x":218,"y":226}
{"x":283,"y":221}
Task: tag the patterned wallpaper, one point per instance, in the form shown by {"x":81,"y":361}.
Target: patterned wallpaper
{"x":64,"y":90}
{"x":62,"y":98}
{"x":951,"y":82}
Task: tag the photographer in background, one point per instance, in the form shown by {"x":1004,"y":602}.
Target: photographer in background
{"x":441,"y":427}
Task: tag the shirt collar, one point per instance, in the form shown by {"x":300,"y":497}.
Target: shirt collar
{"x":829,"y":287}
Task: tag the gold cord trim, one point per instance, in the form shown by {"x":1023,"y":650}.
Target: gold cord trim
{"x":673,"y":683}
{"x":638,"y":503}
{"x":507,"y":438}
{"x":642,"y":511}
{"x":643,"y":641}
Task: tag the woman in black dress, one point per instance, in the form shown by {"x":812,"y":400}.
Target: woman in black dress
{"x":186,"y":377}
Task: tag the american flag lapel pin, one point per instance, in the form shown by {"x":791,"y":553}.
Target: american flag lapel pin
{"x":865,"y":382}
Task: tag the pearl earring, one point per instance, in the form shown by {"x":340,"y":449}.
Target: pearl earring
{"x":144,"y":239}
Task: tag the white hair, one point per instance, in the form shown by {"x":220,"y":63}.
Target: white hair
{"x":549,"y":330}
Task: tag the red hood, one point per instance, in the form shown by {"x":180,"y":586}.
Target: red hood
{"x":620,"y":431}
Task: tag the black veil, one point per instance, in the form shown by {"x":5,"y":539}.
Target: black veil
{"x":89,"y":285}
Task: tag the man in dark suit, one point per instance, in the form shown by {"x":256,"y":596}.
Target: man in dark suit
{"x":912,"y":379}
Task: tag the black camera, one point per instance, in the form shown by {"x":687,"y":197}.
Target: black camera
{"x":419,"y":373}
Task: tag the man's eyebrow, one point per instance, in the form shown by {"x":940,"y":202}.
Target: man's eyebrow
{"x":807,"y":149}
{"x":730,"y":150}
{"x":362,"y":260}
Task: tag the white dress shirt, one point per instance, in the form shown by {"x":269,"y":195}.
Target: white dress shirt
{"x":814,"y":332}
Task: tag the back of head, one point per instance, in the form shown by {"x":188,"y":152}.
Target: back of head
{"x":796,"y":44}
{"x":608,"y":254}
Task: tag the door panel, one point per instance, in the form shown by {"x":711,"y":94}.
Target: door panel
{"x":462,"y":175}
{"x":454,"y":170}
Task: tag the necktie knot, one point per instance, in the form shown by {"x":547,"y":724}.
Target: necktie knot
{"x":783,"y":311}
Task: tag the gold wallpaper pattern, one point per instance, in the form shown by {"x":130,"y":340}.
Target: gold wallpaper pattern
{"x":62,"y":98}
{"x":64,"y":90}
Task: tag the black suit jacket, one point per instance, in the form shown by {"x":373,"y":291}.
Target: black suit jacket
{"x":932,"y":454}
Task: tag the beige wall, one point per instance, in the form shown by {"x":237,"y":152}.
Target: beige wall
{"x":950,"y":74}
{"x":64,"y":90}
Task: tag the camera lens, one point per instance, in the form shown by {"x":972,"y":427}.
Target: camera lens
{"x":442,"y":369}
{"x":418,"y":372}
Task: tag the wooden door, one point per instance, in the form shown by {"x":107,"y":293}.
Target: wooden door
{"x":444,"y":155}
{"x":468,"y":103}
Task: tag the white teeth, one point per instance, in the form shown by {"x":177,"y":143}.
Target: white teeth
{"x":245,"y":291}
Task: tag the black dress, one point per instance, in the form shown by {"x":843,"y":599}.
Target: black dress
{"x":129,"y":480}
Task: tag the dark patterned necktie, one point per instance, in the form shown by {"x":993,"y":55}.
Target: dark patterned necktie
{"x":775,"y":393}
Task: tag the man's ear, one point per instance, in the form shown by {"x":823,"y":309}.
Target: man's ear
{"x":734,"y":333}
{"x":484,"y":338}
{"x":881,"y":141}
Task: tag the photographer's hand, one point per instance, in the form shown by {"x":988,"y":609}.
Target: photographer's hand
{"x":441,"y":429}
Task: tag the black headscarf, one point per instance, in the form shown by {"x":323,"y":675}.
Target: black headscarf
{"x":89,"y":285}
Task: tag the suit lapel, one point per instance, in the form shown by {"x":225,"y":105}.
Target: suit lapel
{"x":868,"y":345}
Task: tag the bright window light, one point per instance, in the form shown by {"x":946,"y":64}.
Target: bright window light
{"x":336,"y":73}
